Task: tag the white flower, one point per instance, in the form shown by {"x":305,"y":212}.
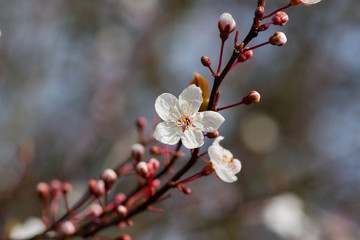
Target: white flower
{"x":304,"y":2}
{"x":31,"y":227}
{"x":182,"y":119}
{"x":222,"y":159}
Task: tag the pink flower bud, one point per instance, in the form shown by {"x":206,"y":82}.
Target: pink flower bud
{"x":213,"y":134}
{"x":252,"y":98}
{"x":245,"y":56}
{"x":43,"y":190}
{"x":155,"y":150}
{"x":137,"y":151}
{"x":186,"y":190}
{"x":259,"y":12}
{"x":93,"y":187}
{"x":94,"y":210}
{"x":278,"y":39}
{"x":205,"y":61}
{"x":101,"y":187}
{"x":156,"y":183}
{"x":67,"y":228}
{"x":141,"y":123}
{"x":109,"y":177}
{"x":226,"y":25}
{"x":66,"y":188}
{"x":142,"y":168}
{"x":281,"y":18}
{"x":153,"y":165}
{"x":55,"y":188}
{"x":119,"y":198}
{"x":122,"y":210}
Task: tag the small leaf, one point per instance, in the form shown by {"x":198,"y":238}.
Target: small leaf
{"x":199,"y":81}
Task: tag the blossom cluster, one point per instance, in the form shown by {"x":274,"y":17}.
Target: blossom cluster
{"x":184,"y":121}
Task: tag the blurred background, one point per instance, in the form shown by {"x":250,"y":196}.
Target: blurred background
{"x":75,"y":76}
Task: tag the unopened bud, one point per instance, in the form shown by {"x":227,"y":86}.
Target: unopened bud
{"x":67,"y":228}
{"x":123,"y":237}
{"x":142,"y":168}
{"x":122,"y":210}
{"x":226,"y":25}
{"x":186,"y":190}
{"x":43,"y":190}
{"x":109,"y":177}
{"x":205,"y":61}
{"x":101,"y":187}
{"x":264,"y":26}
{"x":213,"y":134}
{"x":280,"y":18}
{"x":278,"y":39}
{"x":93,"y":187}
{"x":55,"y":188}
{"x":66,"y":188}
{"x":137,"y":151}
{"x":94,"y":210}
{"x":245,"y":56}
{"x":153,"y":165}
{"x":252,"y":98}
{"x":259,"y":12}
{"x":119,"y":198}
{"x":141,"y":123}
{"x":155,"y":150}
{"x":156,"y":183}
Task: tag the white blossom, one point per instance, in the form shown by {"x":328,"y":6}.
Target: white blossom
{"x":304,"y":2}
{"x":182,"y":119}
{"x":223,"y":162}
{"x":309,"y":2}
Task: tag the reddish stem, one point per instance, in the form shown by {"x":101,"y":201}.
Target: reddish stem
{"x":221,"y":54}
{"x":282,"y":8}
{"x":230,"y":106}
{"x":257,"y":46}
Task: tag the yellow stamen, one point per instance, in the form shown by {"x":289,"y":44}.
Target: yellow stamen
{"x":191,"y":101}
{"x":172,"y":111}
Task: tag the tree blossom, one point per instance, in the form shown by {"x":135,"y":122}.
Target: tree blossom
{"x":182,"y":119}
{"x":223,"y":162}
{"x":304,"y":2}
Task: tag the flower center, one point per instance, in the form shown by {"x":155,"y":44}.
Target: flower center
{"x":185,"y":122}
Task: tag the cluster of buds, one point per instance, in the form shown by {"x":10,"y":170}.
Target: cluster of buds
{"x":189,"y":118}
{"x":148,"y":169}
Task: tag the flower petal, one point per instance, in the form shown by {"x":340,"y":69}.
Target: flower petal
{"x":217,"y":140}
{"x":237,"y":165}
{"x":215,"y":153}
{"x":165,"y":104}
{"x":310,"y":2}
{"x":208,"y":121}
{"x":225,"y":175}
{"x":192,"y":138}
{"x":167,"y":133}
{"x":191,"y":98}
